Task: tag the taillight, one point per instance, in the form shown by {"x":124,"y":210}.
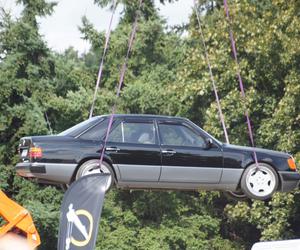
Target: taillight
{"x":292,"y":164}
{"x":35,"y":152}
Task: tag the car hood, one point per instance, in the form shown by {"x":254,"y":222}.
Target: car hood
{"x":257,"y":150}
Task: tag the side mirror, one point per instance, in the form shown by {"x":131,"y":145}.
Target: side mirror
{"x":208,"y":143}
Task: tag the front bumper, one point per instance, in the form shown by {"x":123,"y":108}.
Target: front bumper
{"x":59,"y":173}
{"x":289,"y":180}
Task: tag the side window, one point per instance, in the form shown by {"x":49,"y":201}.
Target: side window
{"x":96,"y":132}
{"x":117,"y":134}
{"x":179,"y":135}
{"x":133,"y":132}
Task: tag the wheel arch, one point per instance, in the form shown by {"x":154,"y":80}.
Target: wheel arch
{"x":87,"y":158}
{"x":248,"y":164}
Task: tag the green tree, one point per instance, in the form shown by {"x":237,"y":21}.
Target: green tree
{"x":267,"y":41}
{"x":167,"y":74}
{"x":27,"y":70}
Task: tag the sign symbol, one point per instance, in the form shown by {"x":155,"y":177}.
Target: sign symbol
{"x":73,"y":219}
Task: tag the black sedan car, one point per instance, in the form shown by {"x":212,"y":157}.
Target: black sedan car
{"x":156,"y":152}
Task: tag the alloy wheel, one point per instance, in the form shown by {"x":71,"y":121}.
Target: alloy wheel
{"x":94,"y":169}
{"x":261,"y":181}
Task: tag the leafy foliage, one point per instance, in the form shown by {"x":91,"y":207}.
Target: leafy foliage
{"x":167,"y":74}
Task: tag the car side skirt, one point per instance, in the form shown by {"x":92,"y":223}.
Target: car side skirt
{"x":229,"y":179}
{"x":177,"y":186}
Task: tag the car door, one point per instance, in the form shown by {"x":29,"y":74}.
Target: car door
{"x":185,"y":156}
{"x":133,"y":147}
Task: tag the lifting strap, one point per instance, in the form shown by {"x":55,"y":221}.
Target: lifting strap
{"x":210,"y":73}
{"x":121,"y":79}
{"x":238,"y":72}
{"x":19,"y":218}
{"x":238,"y":75}
{"x":107,"y":37}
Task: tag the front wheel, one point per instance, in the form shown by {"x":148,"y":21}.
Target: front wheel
{"x":259,"y":182}
{"x":92,"y":167}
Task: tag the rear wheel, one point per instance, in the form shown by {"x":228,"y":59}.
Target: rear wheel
{"x":236,"y":195}
{"x":259,"y":182}
{"x":92,"y":167}
{"x":64,"y":187}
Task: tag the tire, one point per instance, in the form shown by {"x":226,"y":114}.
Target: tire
{"x":259,"y":183}
{"x":236,"y":195}
{"x":64,"y":187}
{"x":92,"y":167}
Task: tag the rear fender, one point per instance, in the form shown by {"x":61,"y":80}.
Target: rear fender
{"x":85,"y":158}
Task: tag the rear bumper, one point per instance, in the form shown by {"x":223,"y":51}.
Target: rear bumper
{"x":26,"y":169}
{"x":289,"y":180}
{"x":60,"y":173}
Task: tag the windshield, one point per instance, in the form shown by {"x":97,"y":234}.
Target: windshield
{"x":80,"y":127}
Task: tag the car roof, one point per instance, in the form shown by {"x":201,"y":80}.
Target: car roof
{"x":159,"y":117}
{"x":145,"y":116}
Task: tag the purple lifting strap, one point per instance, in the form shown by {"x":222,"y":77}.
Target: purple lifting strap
{"x":107,"y":37}
{"x":121,"y":80}
{"x":234,"y":51}
{"x":211,"y":74}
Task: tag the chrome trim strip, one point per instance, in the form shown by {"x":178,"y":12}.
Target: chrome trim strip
{"x":122,"y":131}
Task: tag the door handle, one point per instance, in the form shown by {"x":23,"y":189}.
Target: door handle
{"x":112,"y":149}
{"x":169,"y":151}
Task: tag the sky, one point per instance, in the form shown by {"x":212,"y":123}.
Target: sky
{"x":61,"y":28}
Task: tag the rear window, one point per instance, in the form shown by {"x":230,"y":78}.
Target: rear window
{"x":81,"y":127}
{"x":96,"y":132}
